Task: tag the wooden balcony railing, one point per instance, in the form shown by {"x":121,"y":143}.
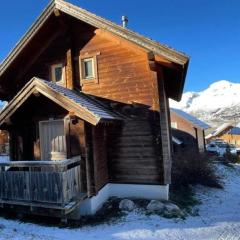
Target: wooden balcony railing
{"x":47,"y":183}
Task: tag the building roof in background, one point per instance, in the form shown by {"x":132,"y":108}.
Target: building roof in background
{"x":219,"y":130}
{"x":176,"y":140}
{"x":190,"y":118}
{"x":234,"y":131}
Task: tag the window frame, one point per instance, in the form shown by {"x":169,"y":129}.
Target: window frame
{"x":174,"y":125}
{"x":53,"y":76}
{"x":82,"y":59}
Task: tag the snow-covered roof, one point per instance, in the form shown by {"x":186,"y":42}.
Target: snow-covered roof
{"x":234,"y":131}
{"x":81,"y":104}
{"x":217,"y":131}
{"x":83,"y":100}
{"x":176,"y":140}
{"x":190,"y":118}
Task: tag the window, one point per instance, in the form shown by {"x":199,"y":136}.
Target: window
{"x":174,"y":125}
{"x":88,"y":68}
{"x":58,"y":73}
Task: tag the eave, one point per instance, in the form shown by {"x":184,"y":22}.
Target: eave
{"x":83,"y":111}
{"x":98,"y":22}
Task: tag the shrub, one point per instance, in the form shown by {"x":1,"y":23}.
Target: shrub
{"x":229,"y":157}
{"x":192,"y":168}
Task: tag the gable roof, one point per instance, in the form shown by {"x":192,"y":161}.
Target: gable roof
{"x":219,"y":130}
{"x":149,"y":45}
{"x":98,"y":22}
{"x":193,"y":120}
{"x":234,"y":131}
{"x":81,"y":104}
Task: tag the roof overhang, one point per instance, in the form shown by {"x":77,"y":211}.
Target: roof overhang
{"x":202,"y":125}
{"x":56,"y":6}
{"x":81,"y":110}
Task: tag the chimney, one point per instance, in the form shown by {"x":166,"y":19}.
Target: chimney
{"x":124,"y":21}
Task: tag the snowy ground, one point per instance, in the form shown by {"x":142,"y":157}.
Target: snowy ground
{"x":219,"y":218}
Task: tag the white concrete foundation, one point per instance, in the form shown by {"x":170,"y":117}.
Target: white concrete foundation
{"x":91,"y":205}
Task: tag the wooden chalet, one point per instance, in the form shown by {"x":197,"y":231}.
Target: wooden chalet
{"x":87,"y":114}
{"x":188,"y":130}
{"x":227,"y":132}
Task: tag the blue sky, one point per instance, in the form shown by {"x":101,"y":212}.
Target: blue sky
{"x":207,"y":30}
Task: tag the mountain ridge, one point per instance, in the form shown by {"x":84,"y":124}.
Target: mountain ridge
{"x":217,"y":104}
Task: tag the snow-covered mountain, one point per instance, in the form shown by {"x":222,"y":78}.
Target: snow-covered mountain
{"x":219,"y":103}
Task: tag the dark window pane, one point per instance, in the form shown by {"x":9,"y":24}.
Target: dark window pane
{"x":58,"y":74}
{"x":88,"y":68}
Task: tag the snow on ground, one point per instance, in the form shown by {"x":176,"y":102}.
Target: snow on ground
{"x":218,"y":219}
{"x":4,"y":158}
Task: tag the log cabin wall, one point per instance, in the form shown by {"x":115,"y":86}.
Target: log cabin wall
{"x":124,"y":76}
{"x":100,"y":156}
{"x":24,"y":128}
{"x":123,"y":73}
{"x":77,"y":138}
{"x":122,"y":68}
{"x":133,"y":156}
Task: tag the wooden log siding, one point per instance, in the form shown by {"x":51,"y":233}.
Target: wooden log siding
{"x":52,"y":184}
{"x":123,"y":72}
{"x":100,"y":156}
{"x":132,"y":155}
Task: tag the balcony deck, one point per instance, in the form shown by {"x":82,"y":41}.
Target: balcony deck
{"x":55,"y":185}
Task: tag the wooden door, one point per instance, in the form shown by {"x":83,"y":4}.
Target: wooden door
{"x":52,"y":138}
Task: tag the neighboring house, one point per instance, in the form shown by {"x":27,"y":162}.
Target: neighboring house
{"x":189,"y":130}
{"x":88,"y":114}
{"x":227,"y":132}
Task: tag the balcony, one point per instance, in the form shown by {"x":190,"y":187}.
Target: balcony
{"x":55,"y":185}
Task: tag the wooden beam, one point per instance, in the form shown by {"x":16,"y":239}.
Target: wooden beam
{"x":35,"y":56}
{"x":91,"y":190}
{"x":51,"y":94}
{"x":67,"y":134}
{"x":57,"y":13}
{"x":66,"y":104}
{"x":69,"y":70}
{"x":166,"y":63}
{"x":165,"y":129}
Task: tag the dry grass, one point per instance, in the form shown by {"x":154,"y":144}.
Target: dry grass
{"x":192,"y":168}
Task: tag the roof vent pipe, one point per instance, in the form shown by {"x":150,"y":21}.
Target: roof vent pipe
{"x":124,"y":21}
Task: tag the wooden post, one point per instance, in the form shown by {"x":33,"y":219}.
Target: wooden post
{"x":204,"y":140}
{"x":89,"y":163}
{"x":69,"y":70}
{"x":165,"y":130}
{"x":67,"y":134}
{"x":196,"y":136}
